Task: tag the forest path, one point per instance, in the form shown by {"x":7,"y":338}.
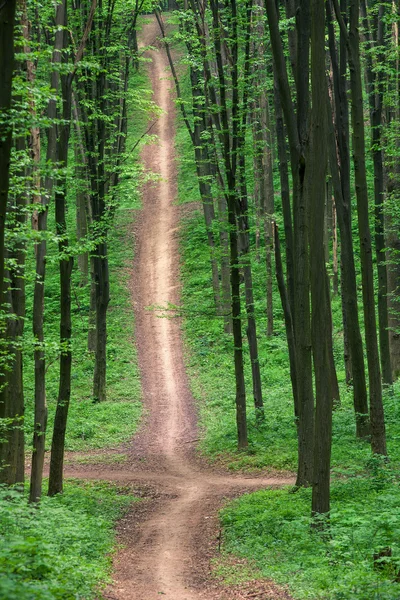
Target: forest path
{"x":169,"y":540}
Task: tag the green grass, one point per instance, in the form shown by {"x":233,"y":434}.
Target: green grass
{"x":60,"y":550}
{"x":270,"y":530}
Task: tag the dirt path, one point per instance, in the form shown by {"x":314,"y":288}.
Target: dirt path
{"x":167,"y":541}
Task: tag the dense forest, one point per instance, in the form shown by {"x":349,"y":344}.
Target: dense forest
{"x":287,"y":118}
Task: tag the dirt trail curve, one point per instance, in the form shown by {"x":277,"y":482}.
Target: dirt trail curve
{"x":166,"y":548}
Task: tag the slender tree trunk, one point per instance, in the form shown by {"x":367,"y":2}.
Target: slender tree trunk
{"x":231,"y":198}
{"x":378,"y":434}
{"x":92,"y":309}
{"x":100,"y":256}
{"x":82,"y":199}
{"x":40,"y":417}
{"x":392,"y":184}
{"x":335,"y":247}
{"x":393,"y":243}
{"x":102,"y":285}
{"x":225,"y":271}
{"x":268,"y":210}
{"x":321,"y":322}
{"x":297,"y":134}
{"x":375,"y":90}
{"x":285,"y":197}
{"x":7,"y":22}
{"x":286,"y":292}
{"x":65,"y":267}
{"x":288,"y":321}
{"x":12,"y":450}
{"x":341,"y":187}
{"x":239,"y":115}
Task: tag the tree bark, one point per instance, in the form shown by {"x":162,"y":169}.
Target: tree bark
{"x":65,"y":268}
{"x":297,"y":134}
{"x":7,"y":23}
{"x":12,"y":450}
{"x":321,"y":321}
{"x":341,"y":187}
{"x":375,"y":91}
{"x":378,"y":434}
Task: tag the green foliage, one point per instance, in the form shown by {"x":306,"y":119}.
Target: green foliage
{"x":272,"y":528}
{"x":110,"y":423}
{"x":59,"y":550}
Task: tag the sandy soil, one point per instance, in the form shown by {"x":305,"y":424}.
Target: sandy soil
{"x":169,"y":537}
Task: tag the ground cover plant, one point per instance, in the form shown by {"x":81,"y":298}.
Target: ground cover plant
{"x":62,"y":549}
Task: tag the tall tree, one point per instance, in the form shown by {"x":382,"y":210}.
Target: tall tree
{"x":65,"y":257}
{"x":339,"y":160}
{"x":296,"y":124}
{"x":374,"y":32}
{"x":378,"y":434}
{"x":7,"y":23}
{"x":321,"y":322}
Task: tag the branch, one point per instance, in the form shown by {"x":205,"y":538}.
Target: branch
{"x":135,"y":145}
{"x":341,"y":22}
{"x":79,"y":54}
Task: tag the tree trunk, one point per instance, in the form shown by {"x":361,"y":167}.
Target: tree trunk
{"x":321,"y":321}
{"x":375,"y":82}
{"x":392,"y":234}
{"x":297,"y":134}
{"x":225,"y":269}
{"x":229,"y":144}
{"x":288,"y":321}
{"x":65,"y":267}
{"x":12,"y":450}
{"x":341,"y":187}
{"x":7,"y":23}
{"x":378,"y":434}
{"x":102,"y":286}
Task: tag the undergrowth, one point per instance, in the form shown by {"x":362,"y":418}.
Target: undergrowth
{"x":61,"y":549}
{"x":346,"y":562}
{"x":105,"y":424}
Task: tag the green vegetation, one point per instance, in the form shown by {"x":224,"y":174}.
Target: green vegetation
{"x":112,"y":422}
{"x":61,"y":549}
{"x":271,"y":529}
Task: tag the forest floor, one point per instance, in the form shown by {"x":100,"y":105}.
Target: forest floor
{"x":169,"y":539}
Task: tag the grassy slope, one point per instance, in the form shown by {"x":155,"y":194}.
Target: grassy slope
{"x":271,"y":528}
